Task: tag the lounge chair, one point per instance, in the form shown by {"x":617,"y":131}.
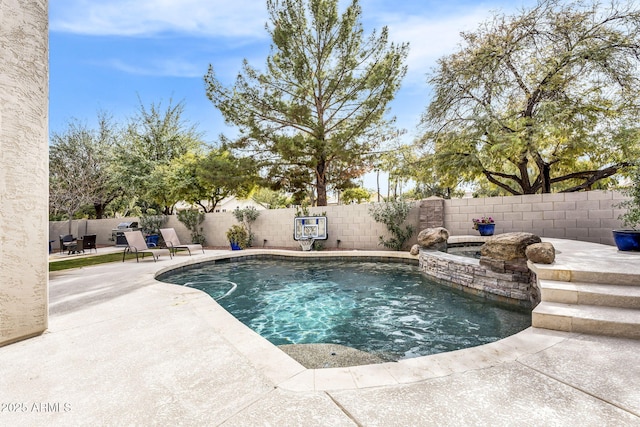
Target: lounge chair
{"x":173,"y":243}
{"x":136,"y":244}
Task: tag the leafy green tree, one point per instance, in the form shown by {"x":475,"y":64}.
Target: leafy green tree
{"x":221,"y":174}
{"x":270,"y":198}
{"x":546,"y":99}
{"x":154,"y":138}
{"x":324,"y":94}
{"x":355,"y":194}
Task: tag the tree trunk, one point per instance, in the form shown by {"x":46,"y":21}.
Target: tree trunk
{"x":321,"y":184}
{"x":99,"y":208}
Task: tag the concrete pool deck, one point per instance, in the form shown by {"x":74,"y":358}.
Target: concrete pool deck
{"x":124,"y":349}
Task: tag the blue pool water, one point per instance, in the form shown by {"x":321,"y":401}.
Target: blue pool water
{"x":388,"y":309}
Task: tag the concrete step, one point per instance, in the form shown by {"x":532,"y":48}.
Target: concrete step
{"x":588,"y":319}
{"x":624,"y":296}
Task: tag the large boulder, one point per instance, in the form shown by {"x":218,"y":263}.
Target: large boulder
{"x":430,"y":237}
{"x":508,"y":246}
{"x":541,"y":253}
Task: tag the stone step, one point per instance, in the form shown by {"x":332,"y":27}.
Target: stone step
{"x":590,"y":294}
{"x":618,"y":276}
{"x":588,"y":319}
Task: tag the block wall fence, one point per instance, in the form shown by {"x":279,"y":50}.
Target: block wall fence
{"x":587,"y":216}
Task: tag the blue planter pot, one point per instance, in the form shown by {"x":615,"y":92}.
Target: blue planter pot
{"x":152,"y":240}
{"x":627,"y":240}
{"x":235,"y":246}
{"x":486,"y":229}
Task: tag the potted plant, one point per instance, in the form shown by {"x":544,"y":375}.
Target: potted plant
{"x":238,"y":237}
{"x":629,"y":239}
{"x":485,"y":225}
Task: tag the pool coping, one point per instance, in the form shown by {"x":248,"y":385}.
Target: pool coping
{"x":286,"y":373}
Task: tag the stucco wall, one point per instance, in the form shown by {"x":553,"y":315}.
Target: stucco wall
{"x":23,"y":168}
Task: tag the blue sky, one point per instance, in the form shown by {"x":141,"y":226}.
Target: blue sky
{"x":105,"y":54}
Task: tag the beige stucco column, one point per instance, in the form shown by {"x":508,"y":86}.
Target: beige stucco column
{"x":24,"y":92}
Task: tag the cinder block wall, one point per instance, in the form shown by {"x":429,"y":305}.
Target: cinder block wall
{"x":351,"y":224}
{"x":587,"y":216}
{"x":24,"y":72}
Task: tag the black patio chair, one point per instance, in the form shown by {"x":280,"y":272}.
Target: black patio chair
{"x":89,"y":242}
{"x":65,"y":239}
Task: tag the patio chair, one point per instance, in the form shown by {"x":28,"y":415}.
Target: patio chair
{"x":67,"y":243}
{"x":89,"y":242}
{"x":173,"y":243}
{"x":137,"y":245}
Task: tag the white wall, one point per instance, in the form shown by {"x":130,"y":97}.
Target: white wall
{"x":24,"y":173}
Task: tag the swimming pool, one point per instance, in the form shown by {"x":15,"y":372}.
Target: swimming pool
{"x":385,"y":308}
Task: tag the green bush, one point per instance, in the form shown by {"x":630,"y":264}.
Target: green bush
{"x":192,"y":218}
{"x":246,"y":217}
{"x":238,"y":235}
{"x":151,"y":223}
{"x":632,"y":217}
{"x":392,"y":215}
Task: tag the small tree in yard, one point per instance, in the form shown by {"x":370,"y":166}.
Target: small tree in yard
{"x":192,"y":218}
{"x":392,"y":215}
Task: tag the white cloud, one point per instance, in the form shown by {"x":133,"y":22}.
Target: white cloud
{"x":164,"y":67}
{"x":431,"y":38}
{"x":237,"y":18}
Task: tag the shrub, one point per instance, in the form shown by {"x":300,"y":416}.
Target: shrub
{"x":246,"y":217}
{"x":392,"y":215}
{"x":192,"y":218}
{"x":238,"y":235}
{"x":152,"y":223}
{"x":631,"y":218}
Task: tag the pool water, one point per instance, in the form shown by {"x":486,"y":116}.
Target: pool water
{"x":389,"y":309}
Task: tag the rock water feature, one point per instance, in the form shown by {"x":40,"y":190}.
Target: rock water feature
{"x":501,"y":273}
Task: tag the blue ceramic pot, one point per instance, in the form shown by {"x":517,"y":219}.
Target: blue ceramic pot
{"x":235,"y":246}
{"x":152,"y":240}
{"x":627,"y":240}
{"x":486,"y":229}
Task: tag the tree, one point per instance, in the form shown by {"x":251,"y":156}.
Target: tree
{"x":547,"y":99}
{"x":69,"y":187}
{"x":271,"y":199}
{"x":316,"y":109}
{"x":154,"y":138}
{"x":221,"y":174}
{"x":80,"y":167}
{"x":355,"y":194}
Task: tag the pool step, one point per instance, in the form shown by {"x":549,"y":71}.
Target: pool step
{"x":589,"y":319}
{"x":624,"y":296}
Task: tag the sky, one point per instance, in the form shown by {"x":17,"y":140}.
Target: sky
{"x":113,"y":55}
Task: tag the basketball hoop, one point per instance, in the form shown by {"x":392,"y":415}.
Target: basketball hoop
{"x":306,"y":244}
